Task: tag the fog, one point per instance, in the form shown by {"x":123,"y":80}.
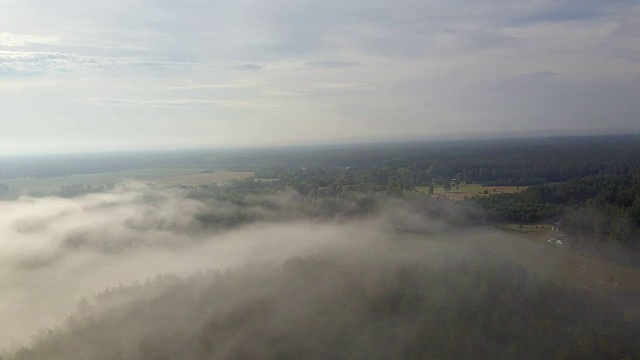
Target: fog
{"x":285,"y":274}
{"x":53,"y":251}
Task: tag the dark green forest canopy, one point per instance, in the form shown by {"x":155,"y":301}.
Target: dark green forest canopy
{"x":495,"y":162}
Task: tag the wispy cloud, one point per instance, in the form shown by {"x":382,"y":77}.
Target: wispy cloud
{"x":236,"y":84}
{"x":248,"y":67}
{"x":340,"y":86}
{"x":42,"y":62}
{"x":21,"y":40}
{"x":283,"y":93}
{"x":29,"y":62}
{"x":173,"y":102}
{"x":332,"y":64}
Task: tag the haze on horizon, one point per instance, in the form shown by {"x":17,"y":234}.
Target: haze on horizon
{"x":93,"y":76}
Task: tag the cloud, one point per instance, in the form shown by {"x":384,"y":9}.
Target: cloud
{"x":56,"y":63}
{"x":283,"y":93}
{"x":173,"y":102}
{"x":236,"y":84}
{"x":32,"y":63}
{"x":22,"y":40}
{"x":332,"y":64}
{"x":249,"y":67}
{"x":419,"y":61}
{"x":340,"y":86}
{"x":554,"y":12}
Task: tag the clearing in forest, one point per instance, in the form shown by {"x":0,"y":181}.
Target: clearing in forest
{"x":536,"y":232}
{"x":469,"y":190}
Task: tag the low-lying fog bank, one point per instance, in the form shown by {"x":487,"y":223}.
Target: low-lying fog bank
{"x":54,"y":251}
{"x":393,"y":283}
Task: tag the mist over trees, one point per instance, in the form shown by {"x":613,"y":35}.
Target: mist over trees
{"x":348,"y":252}
{"x":401,"y":299}
{"x":400,"y":278}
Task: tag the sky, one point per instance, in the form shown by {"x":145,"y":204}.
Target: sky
{"x":141,"y":74}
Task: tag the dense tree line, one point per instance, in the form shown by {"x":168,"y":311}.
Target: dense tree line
{"x":503,"y":162}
